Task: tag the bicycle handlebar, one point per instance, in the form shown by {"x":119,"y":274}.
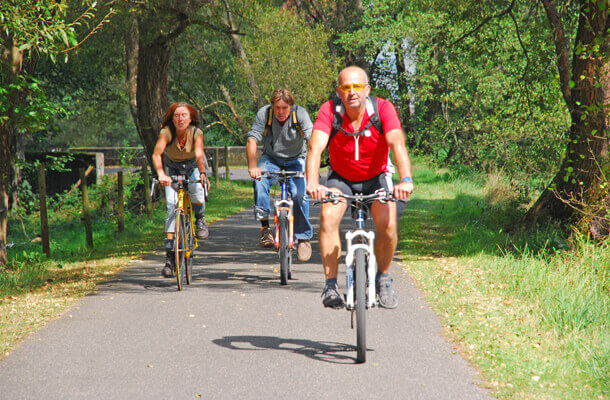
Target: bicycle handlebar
{"x":180,"y":178}
{"x":380,"y":195}
{"x":282,"y":174}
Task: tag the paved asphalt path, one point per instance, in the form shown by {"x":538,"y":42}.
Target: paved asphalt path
{"x":235,"y":333}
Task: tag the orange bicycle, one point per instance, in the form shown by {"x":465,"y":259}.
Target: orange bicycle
{"x":284,"y":222}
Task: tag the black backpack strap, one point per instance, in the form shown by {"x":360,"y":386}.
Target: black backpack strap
{"x":337,"y":117}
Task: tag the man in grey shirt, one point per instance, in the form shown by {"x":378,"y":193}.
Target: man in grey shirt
{"x":284,"y":148}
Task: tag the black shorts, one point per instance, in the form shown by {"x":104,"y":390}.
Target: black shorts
{"x":381,"y":181}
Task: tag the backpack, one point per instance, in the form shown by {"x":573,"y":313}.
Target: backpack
{"x":374,"y":120}
{"x":338,"y":118}
{"x":293,"y":114}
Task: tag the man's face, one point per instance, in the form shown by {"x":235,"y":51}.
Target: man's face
{"x":353,"y":89}
{"x":281,"y":110}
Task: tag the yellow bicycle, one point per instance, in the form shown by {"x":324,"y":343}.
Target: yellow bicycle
{"x":185,"y":241}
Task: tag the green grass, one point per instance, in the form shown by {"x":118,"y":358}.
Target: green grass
{"x":34,"y":289}
{"x":529,"y":310}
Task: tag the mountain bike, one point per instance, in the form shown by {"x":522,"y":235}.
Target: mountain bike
{"x":185,"y":241}
{"x":360,"y":263}
{"x":284,"y":221}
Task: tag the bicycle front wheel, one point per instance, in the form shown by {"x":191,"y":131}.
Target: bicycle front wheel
{"x":360,"y":300}
{"x":284,"y":247}
{"x":180,"y":246}
{"x":190,"y":244}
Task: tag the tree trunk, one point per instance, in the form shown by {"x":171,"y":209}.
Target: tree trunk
{"x":147,"y":54}
{"x":5,"y":167}
{"x":579,"y":188}
{"x":132,"y":41}
{"x":17,"y":175}
{"x":151,"y":96}
{"x":11,"y":59}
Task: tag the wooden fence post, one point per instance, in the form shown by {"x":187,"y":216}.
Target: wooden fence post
{"x":86,"y":217}
{"x":120,"y":202}
{"x":227,"y":172}
{"x":147,"y":199}
{"x":44,"y":221}
{"x":215,"y":163}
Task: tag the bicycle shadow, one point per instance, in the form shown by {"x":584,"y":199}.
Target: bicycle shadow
{"x":330,"y":352}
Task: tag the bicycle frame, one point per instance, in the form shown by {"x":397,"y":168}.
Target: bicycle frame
{"x":284,"y":203}
{"x":184,"y":203}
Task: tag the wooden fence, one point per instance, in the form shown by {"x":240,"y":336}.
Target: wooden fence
{"x":86,"y":215}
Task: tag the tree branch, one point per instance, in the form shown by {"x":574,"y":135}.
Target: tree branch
{"x":97,"y":27}
{"x":222,"y":29}
{"x":485,"y":21}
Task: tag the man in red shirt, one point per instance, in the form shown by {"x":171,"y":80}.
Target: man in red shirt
{"x":359,"y":164}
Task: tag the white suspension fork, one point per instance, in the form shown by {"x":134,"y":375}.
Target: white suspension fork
{"x":368,"y":246}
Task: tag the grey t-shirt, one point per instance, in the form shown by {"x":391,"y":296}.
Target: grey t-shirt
{"x":283,"y":142}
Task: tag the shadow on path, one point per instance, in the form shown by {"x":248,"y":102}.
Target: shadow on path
{"x":330,"y":352}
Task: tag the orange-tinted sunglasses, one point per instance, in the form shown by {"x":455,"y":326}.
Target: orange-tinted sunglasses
{"x":358,"y":87}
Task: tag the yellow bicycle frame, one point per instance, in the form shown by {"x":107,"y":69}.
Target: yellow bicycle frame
{"x":184,"y":202}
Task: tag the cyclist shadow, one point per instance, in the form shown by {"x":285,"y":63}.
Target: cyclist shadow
{"x":330,"y":352}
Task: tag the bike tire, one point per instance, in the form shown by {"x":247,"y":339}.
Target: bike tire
{"x":289,"y":263}
{"x":180,"y":246}
{"x":360,"y":300}
{"x":284,"y":247}
{"x":190,"y":241}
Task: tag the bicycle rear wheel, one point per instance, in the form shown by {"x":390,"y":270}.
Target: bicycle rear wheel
{"x":180,"y":246}
{"x":360,"y":300}
{"x":284,"y":247}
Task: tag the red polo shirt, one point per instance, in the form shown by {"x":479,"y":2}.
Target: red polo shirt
{"x":373,"y":149}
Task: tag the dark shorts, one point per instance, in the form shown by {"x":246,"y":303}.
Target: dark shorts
{"x":381,"y":181}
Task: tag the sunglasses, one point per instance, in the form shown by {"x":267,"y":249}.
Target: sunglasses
{"x":358,"y":87}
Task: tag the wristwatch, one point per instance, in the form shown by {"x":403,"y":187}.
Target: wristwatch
{"x":407,"y":179}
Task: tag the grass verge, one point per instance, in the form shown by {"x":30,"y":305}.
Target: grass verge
{"x":529,"y":311}
{"x":34,"y":289}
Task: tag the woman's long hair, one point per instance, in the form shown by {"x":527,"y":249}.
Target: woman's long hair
{"x":168,"y":117}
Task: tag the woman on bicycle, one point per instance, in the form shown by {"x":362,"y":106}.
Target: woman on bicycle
{"x":181,"y":141}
